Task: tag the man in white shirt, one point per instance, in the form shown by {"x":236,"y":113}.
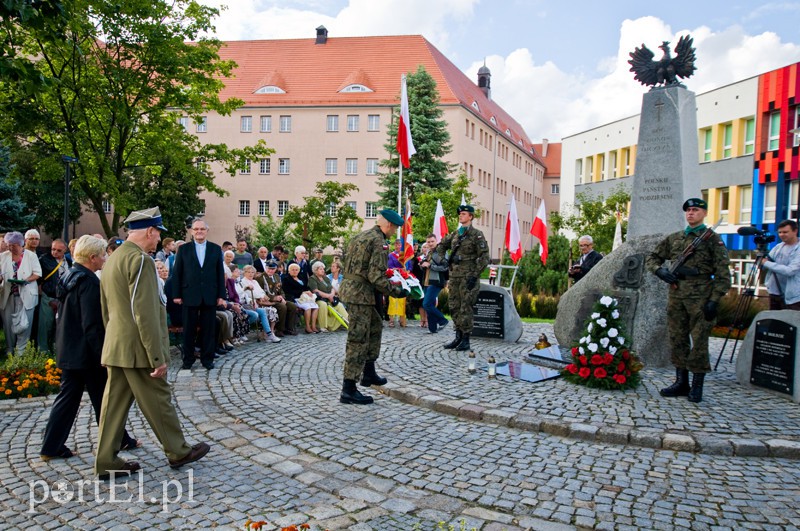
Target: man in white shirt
{"x":783,"y":267}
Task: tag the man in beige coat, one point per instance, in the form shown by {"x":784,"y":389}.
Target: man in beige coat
{"x":136,"y":351}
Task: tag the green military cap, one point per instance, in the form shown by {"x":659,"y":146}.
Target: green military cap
{"x":466,"y":208}
{"x":695,"y":202}
{"x":141,"y":219}
{"x":392,"y":216}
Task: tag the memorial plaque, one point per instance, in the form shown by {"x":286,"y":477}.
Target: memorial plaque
{"x":774,"y":356}
{"x":527,"y":372}
{"x":551,"y":353}
{"x":489,"y":315}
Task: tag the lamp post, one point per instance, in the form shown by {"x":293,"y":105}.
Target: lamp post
{"x":67,"y":160}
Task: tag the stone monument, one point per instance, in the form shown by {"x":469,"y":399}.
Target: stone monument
{"x":666,"y":174}
{"x":495,"y":315}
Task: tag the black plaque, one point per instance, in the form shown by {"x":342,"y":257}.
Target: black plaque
{"x":489,"y":318}
{"x":773,"y":356}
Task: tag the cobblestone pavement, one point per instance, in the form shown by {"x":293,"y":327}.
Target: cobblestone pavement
{"x":441,"y":445}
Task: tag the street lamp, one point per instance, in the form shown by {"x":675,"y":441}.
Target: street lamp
{"x":67,"y":160}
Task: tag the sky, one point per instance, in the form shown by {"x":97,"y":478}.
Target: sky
{"x":558,"y":68}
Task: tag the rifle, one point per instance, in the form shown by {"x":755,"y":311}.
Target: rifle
{"x":691,"y":248}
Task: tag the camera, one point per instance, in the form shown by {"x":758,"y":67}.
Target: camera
{"x":761,"y":237}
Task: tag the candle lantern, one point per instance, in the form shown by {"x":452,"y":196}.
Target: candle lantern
{"x":492,"y":368}
{"x":471,"y":362}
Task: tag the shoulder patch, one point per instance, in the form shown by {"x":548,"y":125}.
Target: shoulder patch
{"x":385,"y":247}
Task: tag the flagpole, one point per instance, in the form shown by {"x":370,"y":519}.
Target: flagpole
{"x":400,"y":193}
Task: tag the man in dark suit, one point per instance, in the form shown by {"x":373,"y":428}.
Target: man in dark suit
{"x":199,"y":285}
{"x":55,"y":265}
{"x":589,"y":258}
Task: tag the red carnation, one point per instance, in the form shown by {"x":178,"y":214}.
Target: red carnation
{"x":600,"y":373}
{"x":620,"y":378}
{"x":389,"y":273}
{"x":582,"y":359}
{"x":621,"y":366}
{"x":572,"y":368}
{"x":574,"y":351}
{"x":584,"y":372}
{"x":627,"y":373}
{"x":626,"y":355}
{"x":608,"y":359}
{"x":597,"y":359}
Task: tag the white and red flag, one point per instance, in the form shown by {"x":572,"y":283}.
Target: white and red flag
{"x":513,"y":242}
{"x":405,"y":145}
{"x":439,"y":222}
{"x":539,"y":229}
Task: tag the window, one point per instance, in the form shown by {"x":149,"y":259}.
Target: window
{"x":283,"y":207}
{"x":372,"y":166}
{"x":184,"y":122}
{"x":791,"y":200}
{"x":579,"y":170}
{"x":351,"y":204}
{"x":330,"y":210}
{"x":555,"y":189}
{"x":283,"y":166}
{"x":246,"y":124}
{"x":627,"y":155}
{"x":745,"y":204}
{"x":202,"y":208}
{"x":770,"y":201}
{"x":244,"y":208}
{"x":265,"y":166}
{"x":724,"y":196}
{"x":333,"y":123}
{"x":352,"y":122}
{"x":370,"y":210}
{"x":331,"y":166}
{"x":270,"y":89}
{"x":106,"y":206}
{"x":202,"y":125}
{"x":774,"y":131}
{"x":796,"y":141}
{"x":589,"y":169}
{"x":749,"y":136}
{"x":200,"y":164}
{"x":374,"y":122}
{"x":706,"y":145}
{"x":612,"y":165}
{"x":286,"y":124}
{"x":355,"y":87}
{"x":246,"y":168}
{"x":601,"y":163}
{"x":266,"y":124}
{"x":727,"y":141}
{"x":351,"y":166}
{"x":263,"y":208}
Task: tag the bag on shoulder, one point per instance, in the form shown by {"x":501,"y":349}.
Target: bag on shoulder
{"x":439,"y":264}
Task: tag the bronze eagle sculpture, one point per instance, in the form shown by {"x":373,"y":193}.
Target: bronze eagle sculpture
{"x":666,"y":70}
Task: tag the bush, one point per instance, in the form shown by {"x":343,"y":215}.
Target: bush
{"x":29,"y":374}
{"x":727,"y":309}
{"x":545,"y":306}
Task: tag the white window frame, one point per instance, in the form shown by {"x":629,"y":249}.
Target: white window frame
{"x":724,"y":196}
{"x":330,"y":210}
{"x":708,"y":145}
{"x":370,"y":210}
{"x":247,"y":167}
{"x":244,"y":208}
{"x":202,"y":125}
{"x":246,"y":124}
{"x":373,"y":122}
{"x":331,"y":166}
{"x":774,"y":125}
{"x":796,"y":139}
{"x":770,"y":202}
{"x":263,"y":208}
{"x":555,"y":189}
{"x":727,"y":141}
{"x":266,"y":123}
{"x":107,"y":207}
{"x":352,"y":204}
{"x":745,"y":205}
{"x":612,"y":164}
{"x":332,"y":123}
{"x":286,"y":123}
{"x":283,"y":207}
{"x":352,"y":123}
{"x":284,"y":166}
{"x":749,"y":136}
{"x":351,"y":167}
{"x":265,"y":165}
{"x":579,"y":170}
{"x":372,"y":166}
{"x":183,"y":121}
{"x":791,"y":199}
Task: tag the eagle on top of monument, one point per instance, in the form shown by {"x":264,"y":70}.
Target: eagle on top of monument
{"x":666,"y":70}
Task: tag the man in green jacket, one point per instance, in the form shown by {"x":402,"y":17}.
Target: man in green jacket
{"x":136,"y":351}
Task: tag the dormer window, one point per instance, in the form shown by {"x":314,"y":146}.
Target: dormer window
{"x":475,"y":106}
{"x":270,"y":89}
{"x":508,"y":132}
{"x":355,"y":87}
{"x":492,"y":119}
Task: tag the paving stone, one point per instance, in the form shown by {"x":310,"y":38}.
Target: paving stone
{"x":784,"y":448}
{"x":555,"y":427}
{"x":526,"y":422}
{"x":680,"y":443}
{"x":614,"y":434}
{"x":448,"y":407}
{"x":585,"y":432}
{"x":498,"y":416}
{"x":471,"y":411}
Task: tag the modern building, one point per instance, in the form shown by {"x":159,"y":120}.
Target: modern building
{"x":748,"y":142}
{"x":324,"y":104}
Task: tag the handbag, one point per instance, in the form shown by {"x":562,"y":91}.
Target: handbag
{"x":19,"y":321}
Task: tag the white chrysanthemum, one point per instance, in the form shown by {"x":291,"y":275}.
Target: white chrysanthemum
{"x":583,"y":340}
{"x":621,"y":340}
{"x":615,"y":314}
{"x":612,"y":349}
{"x":602,"y":322}
{"x":606,"y":301}
{"x":587,"y":338}
{"x":589,"y":328}
{"x":580,"y":349}
{"x":604,"y":342}
{"x":595,"y":315}
{"x":612,"y":332}
{"x":592,"y":347}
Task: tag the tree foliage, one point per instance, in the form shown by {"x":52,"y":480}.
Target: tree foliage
{"x":269,"y":232}
{"x":325,"y":219}
{"x":428,"y":170}
{"x":120,"y":75}
{"x":13,"y":211}
{"x":425,"y":208}
{"x":595,"y":216}
{"x":550,"y":279}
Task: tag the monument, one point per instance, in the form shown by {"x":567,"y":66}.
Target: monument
{"x":666,"y":174}
{"x":495,"y":315}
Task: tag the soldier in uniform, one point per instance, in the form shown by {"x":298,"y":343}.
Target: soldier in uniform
{"x":136,"y":351}
{"x":364,"y":284}
{"x":469,"y":255}
{"x":696,"y":288}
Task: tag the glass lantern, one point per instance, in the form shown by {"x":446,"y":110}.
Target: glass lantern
{"x":471,"y":362}
{"x":492,"y":368}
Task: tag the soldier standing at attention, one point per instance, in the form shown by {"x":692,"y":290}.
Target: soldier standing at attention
{"x":364,"y":282}
{"x":696,"y":288}
{"x":469,"y":254}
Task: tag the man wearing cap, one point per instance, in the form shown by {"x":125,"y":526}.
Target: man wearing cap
{"x":469,"y":255}
{"x":136,"y":351}
{"x":287,"y":310}
{"x":364,"y":283}
{"x":199,"y":285}
{"x":694,"y":294}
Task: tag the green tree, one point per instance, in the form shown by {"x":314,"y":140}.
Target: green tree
{"x":595,"y":216}
{"x":425,"y":208}
{"x":121,"y":75}
{"x":13,"y":209}
{"x":428,"y":170}
{"x":324,"y":219}
{"x":269,"y":232}
{"x":550,"y":279}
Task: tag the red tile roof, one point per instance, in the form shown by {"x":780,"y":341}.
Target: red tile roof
{"x":552,"y":162}
{"x":313,"y":74}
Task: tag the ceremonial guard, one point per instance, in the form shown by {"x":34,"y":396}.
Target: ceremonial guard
{"x":468,"y":256}
{"x":696,"y":287}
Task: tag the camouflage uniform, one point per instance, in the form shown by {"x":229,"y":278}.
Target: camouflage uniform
{"x":706,"y":277}
{"x":365,"y":279}
{"x":469,"y":255}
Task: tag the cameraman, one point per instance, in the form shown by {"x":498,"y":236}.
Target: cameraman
{"x":783,"y":267}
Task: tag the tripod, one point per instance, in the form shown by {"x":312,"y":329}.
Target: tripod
{"x":744,"y":302}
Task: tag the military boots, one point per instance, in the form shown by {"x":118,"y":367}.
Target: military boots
{"x":351,"y":395}
{"x":455,"y":342}
{"x":696,"y":392}
{"x":370,"y":377}
{"x":681,"y":385}
{"x":464,"y":345}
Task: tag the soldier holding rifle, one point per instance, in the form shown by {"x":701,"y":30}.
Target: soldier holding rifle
{"x":698,"y":278}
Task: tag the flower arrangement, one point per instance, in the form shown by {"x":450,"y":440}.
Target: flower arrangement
{"x":256,"y":525}
{"x":601,"y":359}
{"x":28,"y":375}
{"x":407,"y":281}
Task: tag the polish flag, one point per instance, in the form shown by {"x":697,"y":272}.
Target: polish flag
{"x":408,"y":235}
{"x":513,"y":242}
{"x":405,"y":146}
{"x":439,"y":222}
{"x":539,"y":230}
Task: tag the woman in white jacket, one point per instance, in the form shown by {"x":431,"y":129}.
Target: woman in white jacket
{"x":19,"y":293}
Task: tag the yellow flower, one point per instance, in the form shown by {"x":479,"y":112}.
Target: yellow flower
{"x":8,"y":392}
